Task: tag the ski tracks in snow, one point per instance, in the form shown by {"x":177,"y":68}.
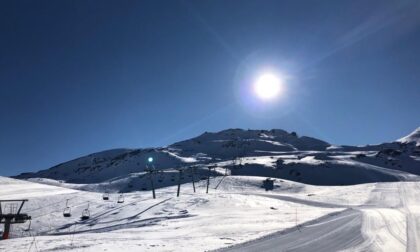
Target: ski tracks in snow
{"x":389,"y":221}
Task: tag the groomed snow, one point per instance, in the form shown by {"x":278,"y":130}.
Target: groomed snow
{"x":378,"y":216}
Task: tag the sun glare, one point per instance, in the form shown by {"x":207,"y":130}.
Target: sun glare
{"x":268,"y":86}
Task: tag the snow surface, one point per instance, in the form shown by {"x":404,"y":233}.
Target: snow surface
{"x":239,"y":213}
{"x":325,"y":197}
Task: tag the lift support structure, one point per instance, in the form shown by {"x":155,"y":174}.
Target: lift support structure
{"x":13,"y":216}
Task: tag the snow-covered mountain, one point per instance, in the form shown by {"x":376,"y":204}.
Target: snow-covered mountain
{"x":273,"y":153}
{"x":238,"y":142}
{"x":414,"y":137}
{"x":227,"y":213}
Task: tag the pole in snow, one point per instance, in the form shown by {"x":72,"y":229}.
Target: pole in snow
{"x":192,"y":177}
{"x":179,"y":182}
{"x":152,"y":184}
{"x":151,"y":172}
{"x":208,"y":179}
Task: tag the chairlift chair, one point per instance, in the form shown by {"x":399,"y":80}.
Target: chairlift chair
{"x":105,"y":196}
{"x":120,"y":199}
{"x":85,"y":214}
{"x":67,"y":212}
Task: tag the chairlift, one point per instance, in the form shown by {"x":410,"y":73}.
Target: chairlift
{"x":120,"y":199}
{"x":105,"y":196}
{"x":67,"y":210}
{"x":86,"y":213}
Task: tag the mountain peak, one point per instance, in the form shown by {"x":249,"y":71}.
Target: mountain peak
{"x":250,"y":139}
{"x":412,"y":137}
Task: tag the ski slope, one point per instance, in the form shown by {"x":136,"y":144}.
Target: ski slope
{"x":325,"y":197}
{"x":388,"y":221}
{"x":237,"y":216}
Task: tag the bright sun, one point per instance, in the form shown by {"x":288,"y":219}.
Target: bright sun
{"x":268,"y":86}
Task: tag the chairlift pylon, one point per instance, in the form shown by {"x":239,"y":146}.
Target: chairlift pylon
{"x":13,"y":216}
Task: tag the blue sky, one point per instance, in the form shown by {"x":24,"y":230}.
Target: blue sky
{"x":78,"y":77}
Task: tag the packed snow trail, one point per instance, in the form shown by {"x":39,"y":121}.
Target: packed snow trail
{"x":302,"y":201}
{"x":338,"y":232}
{"x":389,"y":221}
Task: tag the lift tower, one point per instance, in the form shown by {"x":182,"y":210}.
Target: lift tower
{"x":13,"y":216}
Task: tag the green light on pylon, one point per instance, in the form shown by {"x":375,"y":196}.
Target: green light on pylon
{"x":150,"y":159}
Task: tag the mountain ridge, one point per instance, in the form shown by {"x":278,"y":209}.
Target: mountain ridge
{"x":257,"y":152}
